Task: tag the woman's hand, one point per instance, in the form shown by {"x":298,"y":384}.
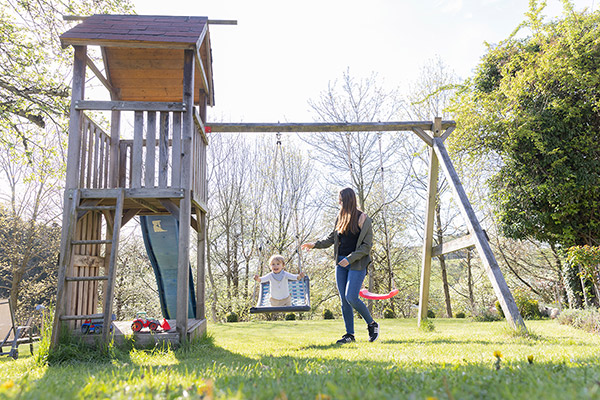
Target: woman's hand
{"x":307,"y":246}
{"x":344,"y":262}
{"x":256,"y":278}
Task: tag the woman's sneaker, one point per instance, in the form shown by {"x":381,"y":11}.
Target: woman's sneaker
{"x":373,"y":328}
{"x":347,"y":338}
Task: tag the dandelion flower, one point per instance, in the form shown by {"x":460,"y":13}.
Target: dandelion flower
{"x":497,"y":354}
{"x":206,"y":389}
{"x":530,"y":359}
{"x":7,"y":385}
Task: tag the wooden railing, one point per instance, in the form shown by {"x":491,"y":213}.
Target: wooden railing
{"x":94,"y":156}
{"x":200,"y":143}
{"x":152,"y":159}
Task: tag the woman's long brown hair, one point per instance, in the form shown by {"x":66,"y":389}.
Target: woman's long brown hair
{"x":349,"y":213}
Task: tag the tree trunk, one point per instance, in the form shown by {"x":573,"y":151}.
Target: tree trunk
{"x":446,"y":286}
{"x":572,"y":286}
{"x":228,"y":262}
{"x":440,"y":240}
{"x":246,"y":276}
{"x":211,"y":279}
{"x":15,"y":289}
{"x":470,"y":282}
{"x":584,"y":290}
{"x":235,"y":270}
{"x":562,"y":296}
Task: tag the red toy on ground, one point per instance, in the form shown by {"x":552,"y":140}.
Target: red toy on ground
{"x":142,"y":321}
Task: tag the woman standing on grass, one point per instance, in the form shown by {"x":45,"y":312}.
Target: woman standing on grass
{"x":352,"y":239}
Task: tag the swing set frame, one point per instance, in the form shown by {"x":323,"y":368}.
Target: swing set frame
{"x":432,"y":133}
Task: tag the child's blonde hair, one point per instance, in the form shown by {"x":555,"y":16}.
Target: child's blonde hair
{"x":277,"y":257}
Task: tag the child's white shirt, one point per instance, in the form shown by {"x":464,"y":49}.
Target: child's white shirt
{"x":279,"y":289}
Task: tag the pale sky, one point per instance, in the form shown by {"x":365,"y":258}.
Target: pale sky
{"x":283,"y":53}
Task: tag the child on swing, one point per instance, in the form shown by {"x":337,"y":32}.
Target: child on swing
{"x":278,"y":279}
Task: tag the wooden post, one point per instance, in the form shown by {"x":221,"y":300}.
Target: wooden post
{"x":176,"y":151}
{"x":428,"y":232}
{"x":185,"y":206}
{"x":163,"y":150}
{"x":136,"y":155}
{"x":509,"y":306}
{"x":71,"y":182}
{"x":115,"y":137}
{"x":201,"y":216}
{"x":201,"y":257}
{"x":109,"y":289}
{"x":150,"y":150}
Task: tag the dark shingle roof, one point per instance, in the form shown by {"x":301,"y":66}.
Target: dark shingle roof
{"x":180,"y":31}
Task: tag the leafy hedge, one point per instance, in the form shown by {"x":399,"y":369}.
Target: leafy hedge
{"x":588,"y":319}
{"x":528,"y":307}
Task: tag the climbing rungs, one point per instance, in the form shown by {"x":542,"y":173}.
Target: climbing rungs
{"x":85,"y":278}
{"x":78,"y":317}
{"x":95,"y":208}
{"x":77,"y":242}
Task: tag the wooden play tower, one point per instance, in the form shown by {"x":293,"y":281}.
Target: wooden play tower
{"x":158,"y":73}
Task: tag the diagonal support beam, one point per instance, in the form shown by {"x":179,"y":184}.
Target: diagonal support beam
{"x":146,"y":204}
{"x":105,"y":82}
{"x":447,"y":133}
{"x":504,"y":295}
{"x":424,"y":136}
{"x":201,"y":70}
{"x":174,"y":211}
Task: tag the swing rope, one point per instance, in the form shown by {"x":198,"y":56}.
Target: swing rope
{"x":294,"y":204}
{"x":364,"y":293}
{"x":299,"y":289}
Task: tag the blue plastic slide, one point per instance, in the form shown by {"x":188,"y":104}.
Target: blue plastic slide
{"x":161,"y":237}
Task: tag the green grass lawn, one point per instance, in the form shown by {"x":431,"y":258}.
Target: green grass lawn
{"x":297,"y":360}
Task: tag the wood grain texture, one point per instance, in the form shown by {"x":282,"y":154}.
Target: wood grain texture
{"x":325,"y":126}
{"x":185,"y":205}
{"x":509,"y":306}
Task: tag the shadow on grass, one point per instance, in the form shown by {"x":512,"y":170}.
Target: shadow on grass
{"x":447,"y":341}
{"x":202,"y":368}
{"x":328,"y":346}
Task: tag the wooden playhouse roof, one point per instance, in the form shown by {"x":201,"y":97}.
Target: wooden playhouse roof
{"x":143,"y":55}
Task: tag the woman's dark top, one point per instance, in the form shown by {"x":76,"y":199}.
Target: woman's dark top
{"x":348,"y":242}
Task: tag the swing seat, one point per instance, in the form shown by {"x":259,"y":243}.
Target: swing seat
{"x":299,"y":292}
{"x":364,"y":293}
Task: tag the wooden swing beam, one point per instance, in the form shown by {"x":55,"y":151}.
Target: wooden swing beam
{"x":438,"y":157}
{"x":325,"y":126}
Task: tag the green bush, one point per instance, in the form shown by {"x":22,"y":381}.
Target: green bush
{"x":487,"y":316}
{"x":290,"y":317}
{"x":430,"y":314}
{"x":327,"y":314}
{"x":232,"y":317}
{"x":528,"y":307}
{"x":427,"y":325}
{"x":389,"y":313}
{"x":499,"y":309}
{"x":588,"y":320}
{"x":460,"y":314}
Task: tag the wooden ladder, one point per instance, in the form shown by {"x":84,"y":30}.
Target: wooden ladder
{"x":114,"y":216}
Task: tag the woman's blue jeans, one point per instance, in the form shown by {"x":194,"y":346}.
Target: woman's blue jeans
{"x":349,"y":283}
